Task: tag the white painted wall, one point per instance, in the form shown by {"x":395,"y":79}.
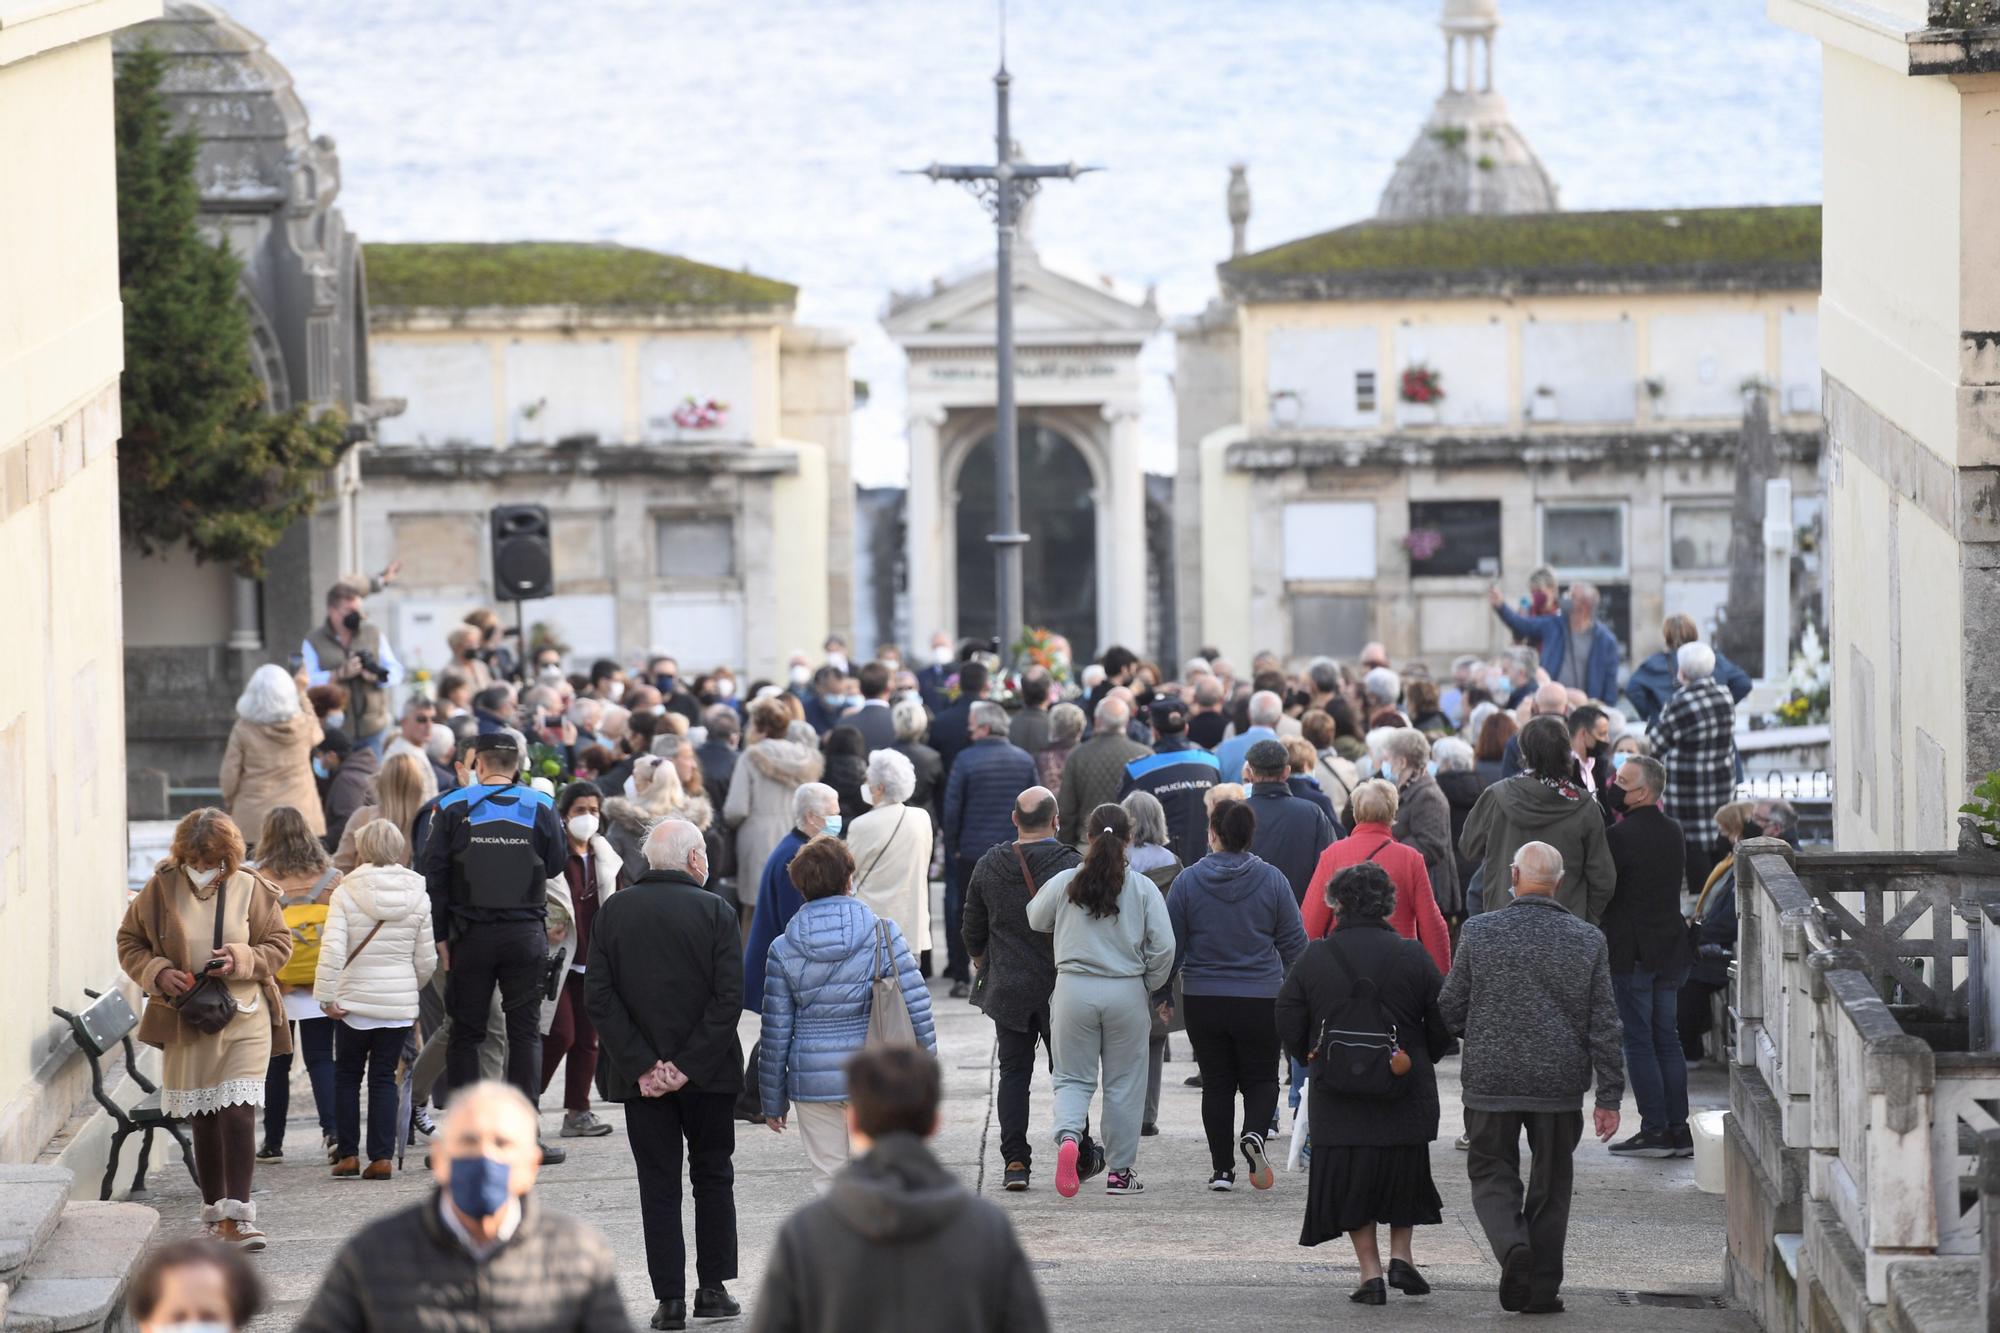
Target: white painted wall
{"x":1588,"y":364}
{"x":697,"y":626}
{"x":702,"y":367}
{"x":447,"y":388}
{"x":1702,"y":360}
{"x":1472,"y":363}
{"x":1330,"y":540}
{"x":1318,"y":366}
{"x":1798,"y":361}
{"x":578,"y":384}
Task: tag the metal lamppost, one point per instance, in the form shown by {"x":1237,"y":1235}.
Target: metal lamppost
{"x":1005,"y":187}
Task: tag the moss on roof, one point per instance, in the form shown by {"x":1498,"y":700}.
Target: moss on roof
{"x":460,"y":275}
{"x":1626,"y":244}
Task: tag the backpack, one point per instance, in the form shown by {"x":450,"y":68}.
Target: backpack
{"x":1359,"y":1051}
{"x":306,"y":920}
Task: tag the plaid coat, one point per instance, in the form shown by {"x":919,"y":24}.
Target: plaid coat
{"x":1695,"y":737}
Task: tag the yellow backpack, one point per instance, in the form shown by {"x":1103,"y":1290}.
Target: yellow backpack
{"x":306,"y":919}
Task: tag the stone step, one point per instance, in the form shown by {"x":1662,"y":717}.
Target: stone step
{"x":77,"y":1280}
{"x":31,"y":1203}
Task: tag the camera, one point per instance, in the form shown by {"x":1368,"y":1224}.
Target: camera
{"x":371,"y":665}
{"x":552,"y":983}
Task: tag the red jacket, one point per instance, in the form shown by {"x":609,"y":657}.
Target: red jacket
{"x":1416,"y":916}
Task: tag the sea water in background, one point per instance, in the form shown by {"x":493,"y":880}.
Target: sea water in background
{"x":768,"y":133}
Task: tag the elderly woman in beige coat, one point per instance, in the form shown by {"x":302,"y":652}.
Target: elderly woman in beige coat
{"x":268,"y":761}
{"x":891,"y":845}
{"x":759,"y":807}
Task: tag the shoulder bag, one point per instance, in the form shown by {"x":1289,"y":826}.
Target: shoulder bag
{"x":888,"y":1015}
{"x":207,"y":1006}
{"x":1360,"y":1054}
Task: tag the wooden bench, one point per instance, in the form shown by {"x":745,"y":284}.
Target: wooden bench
{"x":108,"y":1021}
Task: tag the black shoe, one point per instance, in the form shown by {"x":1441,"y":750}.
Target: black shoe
{"x":1405,"y":1278}
{"x":554,"y":1154}
{"x":1646,"y":1143}
{"x":270,"y":1152}
{"x":1517,"y":1270}
{"x":1148,"y":1130}
{"x":1683,"y":1137}
{"x":1371,"y":1292}
{"x":671,"y":1314}
{"x":960,"y":989}
{"x":1093,"y":1160}
{"x":1191,"y":1081}
{"x":714,"y":1303}
{"x":1017,"y":1177}
{"x":1553,"y":1305}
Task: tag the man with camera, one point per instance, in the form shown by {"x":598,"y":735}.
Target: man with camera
{"x":352,"y":652}
{"x":492,"y":848}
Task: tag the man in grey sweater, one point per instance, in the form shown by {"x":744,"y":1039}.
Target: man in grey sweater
{"x":1530,"y":990}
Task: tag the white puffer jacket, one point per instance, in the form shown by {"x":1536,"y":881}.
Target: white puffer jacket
{"x":383,"y":981}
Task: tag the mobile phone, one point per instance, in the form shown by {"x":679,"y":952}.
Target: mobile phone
{"x":210,"y":966}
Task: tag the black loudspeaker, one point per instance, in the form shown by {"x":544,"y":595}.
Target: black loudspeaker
{"x":524,"y":566}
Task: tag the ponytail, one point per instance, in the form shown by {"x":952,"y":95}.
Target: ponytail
{"x":1101,"y":878}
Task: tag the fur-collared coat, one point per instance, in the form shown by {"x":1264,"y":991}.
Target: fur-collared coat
{"x":150,"y":941}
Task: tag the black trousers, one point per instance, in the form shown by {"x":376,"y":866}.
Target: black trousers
{"x":512,"y":955}
{"x":1540,"y":1219}
{"x":370,"y":1053}
{"x":657,"y":1127}
{"x":1017,"y":1080}
{"x":1235,"y":1041}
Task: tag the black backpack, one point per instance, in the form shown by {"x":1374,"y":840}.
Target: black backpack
{"x":1358,"y":1046}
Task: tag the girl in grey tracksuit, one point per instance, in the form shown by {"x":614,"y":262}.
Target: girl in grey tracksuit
{"x":1114,"y":947}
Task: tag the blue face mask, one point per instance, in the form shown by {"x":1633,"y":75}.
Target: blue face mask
{"x":1365,"y":767}
{"x":1618,"y":759}
{"x":833,"y":826}
{"x":479,"y":1185}
{"x":1432,"y":767}
{"x":319,"y":768}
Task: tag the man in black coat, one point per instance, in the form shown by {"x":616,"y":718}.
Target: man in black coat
{"x":1178,"y":773}
{"x":951,"y":729}
{"x":872,"y":719}
{"x":1649,"y":959}
{"x":1291,"y":831}
{"x":1016,"y":965}
{"x":665,"y":987}
{"x":897,"y":1242}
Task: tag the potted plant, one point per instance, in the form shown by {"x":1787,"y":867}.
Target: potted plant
{"x":701,"y":414}
{"x":1420,"y":390}
{"x":1422,"y":543}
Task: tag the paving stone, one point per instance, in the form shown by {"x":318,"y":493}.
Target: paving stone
{"x":31,"y":1204}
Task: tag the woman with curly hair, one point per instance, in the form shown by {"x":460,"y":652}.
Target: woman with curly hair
{"x":204,"y":919}
{"x":1114,"y":947}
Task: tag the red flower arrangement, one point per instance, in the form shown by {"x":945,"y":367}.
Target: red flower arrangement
{"x":696,"y":414}
{"x":1421,"y":384}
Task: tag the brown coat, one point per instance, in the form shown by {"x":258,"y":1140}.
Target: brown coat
{"x":144,"y":955}
{"x":269,"y":764}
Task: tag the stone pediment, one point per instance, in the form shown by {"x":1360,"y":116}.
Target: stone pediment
{"x":1049,"y":308}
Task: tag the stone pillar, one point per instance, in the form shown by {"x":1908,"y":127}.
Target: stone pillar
{"x":930,"y":563}
{"x":245,"y":629}
{"x":1121,"y":613}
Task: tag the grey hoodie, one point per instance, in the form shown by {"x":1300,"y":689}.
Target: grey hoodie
{"x":1524,"y":809}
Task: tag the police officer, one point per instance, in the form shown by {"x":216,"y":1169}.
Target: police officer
{"x":1179,"y":773}
{"x":492,"y":848}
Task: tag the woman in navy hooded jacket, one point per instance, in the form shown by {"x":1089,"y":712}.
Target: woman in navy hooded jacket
{"x":817,"y":996}
{"x":1236,"y":933}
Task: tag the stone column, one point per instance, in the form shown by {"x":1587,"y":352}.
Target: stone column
{"x":930,"y":563}
{"x":245,"y":626}
{"x":1122,"y":609}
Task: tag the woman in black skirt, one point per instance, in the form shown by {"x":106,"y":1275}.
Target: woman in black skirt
{"x":1371,"y":1162}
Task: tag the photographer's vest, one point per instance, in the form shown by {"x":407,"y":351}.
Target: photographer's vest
{"x":367,"y":702}
{"x":497,"y":872}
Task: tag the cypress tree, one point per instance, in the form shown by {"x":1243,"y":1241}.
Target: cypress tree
{"x":200,"y":461}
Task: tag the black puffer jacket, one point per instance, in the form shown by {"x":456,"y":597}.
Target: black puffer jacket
{"x":407,"y":1273}
{"x":1020,"y":967}
{"x":898,"y":1242}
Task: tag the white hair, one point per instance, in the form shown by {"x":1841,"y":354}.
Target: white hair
{"x":1539,"y":863}
{"x":1265,"y":709}
{"x":1409,"y":745}
{"x":1477,"y":722}
{"x":1696,"y":661}
{"x":813,"y":798}
{"x":895,"y":775}
{"x":990,"y":715}
{"x":1196,"y":666}
{"x":910,"y":718}
{"x":270,"y":695}
{"x":672,"y":844}
{"x":802,"y":733}
{"x":1377,"y":741}
{"x":1092,"y":677}
{"x":1112,"y":713}
{"x":441,"y":745}
{"x":1382,"y":685}
{"x":586,"y":713}
{"x":1452,"y":754}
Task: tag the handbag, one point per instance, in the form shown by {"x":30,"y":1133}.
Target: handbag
{"x":207,"y":1006}
{"x":1360,"y":1054}
{"x":888,"y":1015}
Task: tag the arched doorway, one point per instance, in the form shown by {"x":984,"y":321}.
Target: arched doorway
{"x":1058,"y":512}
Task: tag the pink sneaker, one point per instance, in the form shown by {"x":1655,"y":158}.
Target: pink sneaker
{"x":1066,"y":1177}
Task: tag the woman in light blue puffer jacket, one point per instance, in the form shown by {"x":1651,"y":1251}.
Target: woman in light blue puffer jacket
{"x":817,"y":995}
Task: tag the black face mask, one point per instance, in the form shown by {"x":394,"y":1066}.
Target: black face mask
{"x":1614,"y":797}
{"x":351,"y":621}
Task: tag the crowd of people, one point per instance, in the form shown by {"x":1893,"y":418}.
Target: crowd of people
{"x":1327,"y":879}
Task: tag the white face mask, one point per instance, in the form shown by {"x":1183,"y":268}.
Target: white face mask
{"x":583,"y":827}
{"x":838,"y":661}
{"x":616,"y":690}
{"x":941,"y":655}
{"x":335,"y":721}
{"x":551,"y":671}
{"x":201,"y":878}
{"x":800,"y":675}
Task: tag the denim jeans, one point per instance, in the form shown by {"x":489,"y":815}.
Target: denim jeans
{"x":374,"y":1051}
{"x":314,"y":1044}
{"x":1654,"y":1063}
